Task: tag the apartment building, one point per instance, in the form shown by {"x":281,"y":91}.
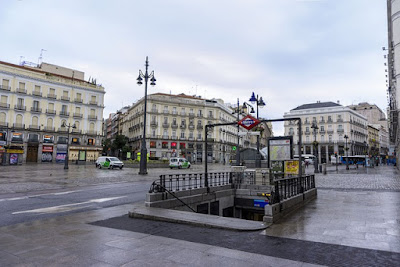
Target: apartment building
{"x":175,"y":127}
{"x":393,"y":63}
{"x":334,"y":122}
{"x":376,"y":119}
{"x":35,"y":103}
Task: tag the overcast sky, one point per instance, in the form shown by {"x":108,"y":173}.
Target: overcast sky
{"x":290,"y":52}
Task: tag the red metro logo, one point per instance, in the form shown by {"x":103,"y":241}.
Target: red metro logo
{"x":248,"y":122}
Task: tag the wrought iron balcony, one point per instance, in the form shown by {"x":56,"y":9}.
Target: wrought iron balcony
{"x":34,"y":127}
{"x":65,"y":98}
{"x":4,"y":105}
{"x":36,"y":93}
{"x":165,"y":125}
{"x":53,"y":96}
{"x":200,"y":126}
{"x":5,"y":88}
{"x":49,"y":129}
{"x":20,"y":107}
{"x":153,"y":124}
{"x":19,"y":126}
{"x":93,"y":103}
{"x":93,"y":133}
{"x":78,"y":100}
{"x":78,"y":115}
{"x":36,"y":110}
{"x":174,"y":126}
{"x":64,"y":113}
{"x":92,"y":117}
{"x":21,"y":91}
{"x":50,"y":111}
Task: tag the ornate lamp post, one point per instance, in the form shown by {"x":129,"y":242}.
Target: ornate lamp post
{"x":315,"y":127}
{"x":238,"y":111}
{"x":143,"y":151}
{"x":73,"y":126}
{"x":260,"y":103}
{"x":347,"y":152}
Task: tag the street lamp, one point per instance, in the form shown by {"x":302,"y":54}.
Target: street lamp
{"x":315,"y":128}
{"x":366,"y":152}
{"x":73,"y":126}
{"x":238,"y":111}
{"x":260,"y":103}
{"x":347,"y":153}
{"x":143,"y":151}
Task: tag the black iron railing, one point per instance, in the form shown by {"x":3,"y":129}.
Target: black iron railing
{"x":289,"y":187}
{"x":180,"y":182}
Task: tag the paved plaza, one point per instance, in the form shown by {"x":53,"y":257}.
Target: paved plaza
{"x":355,"y":221}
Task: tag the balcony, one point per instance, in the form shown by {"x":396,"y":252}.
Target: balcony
{"x":3,"y":124}
{"x":93,"y":133}
{"x":340,"y":130}
{"x":199,"y":126}
{"x":183,"y":113}
{"x":36,"y":93}
{"x":64,"y":113}
{"x":53,"y":96}
{"x":76,"y":131}
{"x":94,"y":103}
{"x":322,"y":131}
{"x":174,"y":126}
{"x":191,"y":126}
{"x":330,"y":131}
{"x":63,"y":130}
{"x":322,"y":121}
{"x":36,"y":110}
{"x":4,"y":105}
{"x":166,"y":111}
{"x":191,"y":115}
{"x":21,"y":91}
{"x":154,"y":110}
{"x":19,"y":126}
{"x":49,"y":129}
{"x":5,"y":88}
{"x":199,"y":115}
{"x":78,"y":115}
{"x":78,"y":100}
{"x":165,"y":125}
{"x":65,"y":98}
{"x":307,"y":132}
{"x":34,"y":127}
{"x":210,"y":116}
{"x":20,"y":107}
{"x":50,"y":111}
{"x":183,"y":126}
{"x":165,"y":137}
{"x":153,"y":124}
{"x":92,"y":117}
{"x":339,"y":120}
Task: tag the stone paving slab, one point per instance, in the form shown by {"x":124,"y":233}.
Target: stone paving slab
{"x":205,"y":220}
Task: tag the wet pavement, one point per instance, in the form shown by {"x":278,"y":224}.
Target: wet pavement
{"x":355,"y":221}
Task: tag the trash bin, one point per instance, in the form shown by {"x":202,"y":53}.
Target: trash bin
{"x":320,"y":167}
{"x":324,"y":167}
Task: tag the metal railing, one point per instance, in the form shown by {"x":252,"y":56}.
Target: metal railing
{"x":289,"y":187}
{"x":180,"y":182}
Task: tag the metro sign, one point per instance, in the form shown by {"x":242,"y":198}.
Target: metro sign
{"x":248,"y":122}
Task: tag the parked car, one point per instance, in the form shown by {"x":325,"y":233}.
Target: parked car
{"x":109,"y":162}
{"x":179,"y":163}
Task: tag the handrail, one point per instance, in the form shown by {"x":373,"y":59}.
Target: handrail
{"x":154,"y":188}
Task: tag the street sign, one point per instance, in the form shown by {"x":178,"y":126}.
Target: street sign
{"x":248,"y":122}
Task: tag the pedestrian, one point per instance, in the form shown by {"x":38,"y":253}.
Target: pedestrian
{"x":306,"y":164}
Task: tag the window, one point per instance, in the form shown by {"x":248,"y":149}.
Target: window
{"x":64,"y":109}
{"x":62,"y":140}
{"x":173,"y":145}
{"x":307,"y":129}
{"x":330,"y":138}
{"x":92,"y":112}
{"x":21,"y":85}
{"x":153,"y":133}
{"x":307,"y":139}
{"x":5,"y":83}
{"x":77,"y":110}
{"x":183,"y":122}
{"x":152,"y":144}
{"x":165,"y":109}
{"x":183,"y":112}
{"x":322,"y":128}
{"x":78,"y":96}
{"x":173,"y":134}
{"x":48,"y":139}
{"x":191,"y":134}
{"x":200,"y":113}
{"x":329,"y":118}
{"x":52,"y":91}
{"x":3,"y":136}
{"x":4,"y":99}
{"x":182,"y":135}
{"x":165,"y":134}
{"x":20,"y":102}
{"x":35,"y":121}
{"x":314,"y":119}
{"x":164,"y":144}
{"x":210,"y":114}
{"x":182,"y":145}
{"x":93,"y":99}
{"x":34,"y":138}
{"x":173,"y":121}
{"x":90,"y":142}
{"x":75,"y":141}
{"x":51,"y":106}
{"x":322,"y":138}
{"x":174,"y":110}
{"x":17,"y":137}
{"x":165,"y":120}
{"x":199,"y":135}
{"x":37,"y":89}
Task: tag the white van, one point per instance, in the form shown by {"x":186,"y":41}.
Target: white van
{"x":109,"y":162}
{"x":306,"y":158}
{"x":179,"y":163}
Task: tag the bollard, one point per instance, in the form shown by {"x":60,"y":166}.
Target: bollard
{"x":324,"y":168}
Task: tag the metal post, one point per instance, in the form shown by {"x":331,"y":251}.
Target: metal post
{"x":258,"y":159}
{"x":238,"y":138}
{"x":143,"y":149}
{"x":206,"y":159}
{"x":299,"y":150}
{"x":67,"y":157}
{"x":347,"y":153}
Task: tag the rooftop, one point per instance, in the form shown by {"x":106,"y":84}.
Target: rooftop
{"x":318,"y":105}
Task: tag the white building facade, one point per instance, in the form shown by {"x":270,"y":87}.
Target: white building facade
{"x":334,"y":122}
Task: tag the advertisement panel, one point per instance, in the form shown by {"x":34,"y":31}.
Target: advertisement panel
{"x":292,"y":167}
{"x":47,"y":149}
{"x":47,"y":157}
{"x":60,"y":157}
{"x":13,"y":159}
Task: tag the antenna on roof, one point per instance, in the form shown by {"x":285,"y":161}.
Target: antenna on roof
{"x":41,"y":56}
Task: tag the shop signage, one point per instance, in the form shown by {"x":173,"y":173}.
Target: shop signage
{"x":16,"y":151}
{"x":61,"y":148}
{"x":47,"y":149}
{"x":248,"y":122}
{"x":291,"y":166}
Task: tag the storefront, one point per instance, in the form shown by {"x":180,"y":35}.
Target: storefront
{"x":47,"y":153}
{"x":61,"y":153}
{"x":16,"y":154}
